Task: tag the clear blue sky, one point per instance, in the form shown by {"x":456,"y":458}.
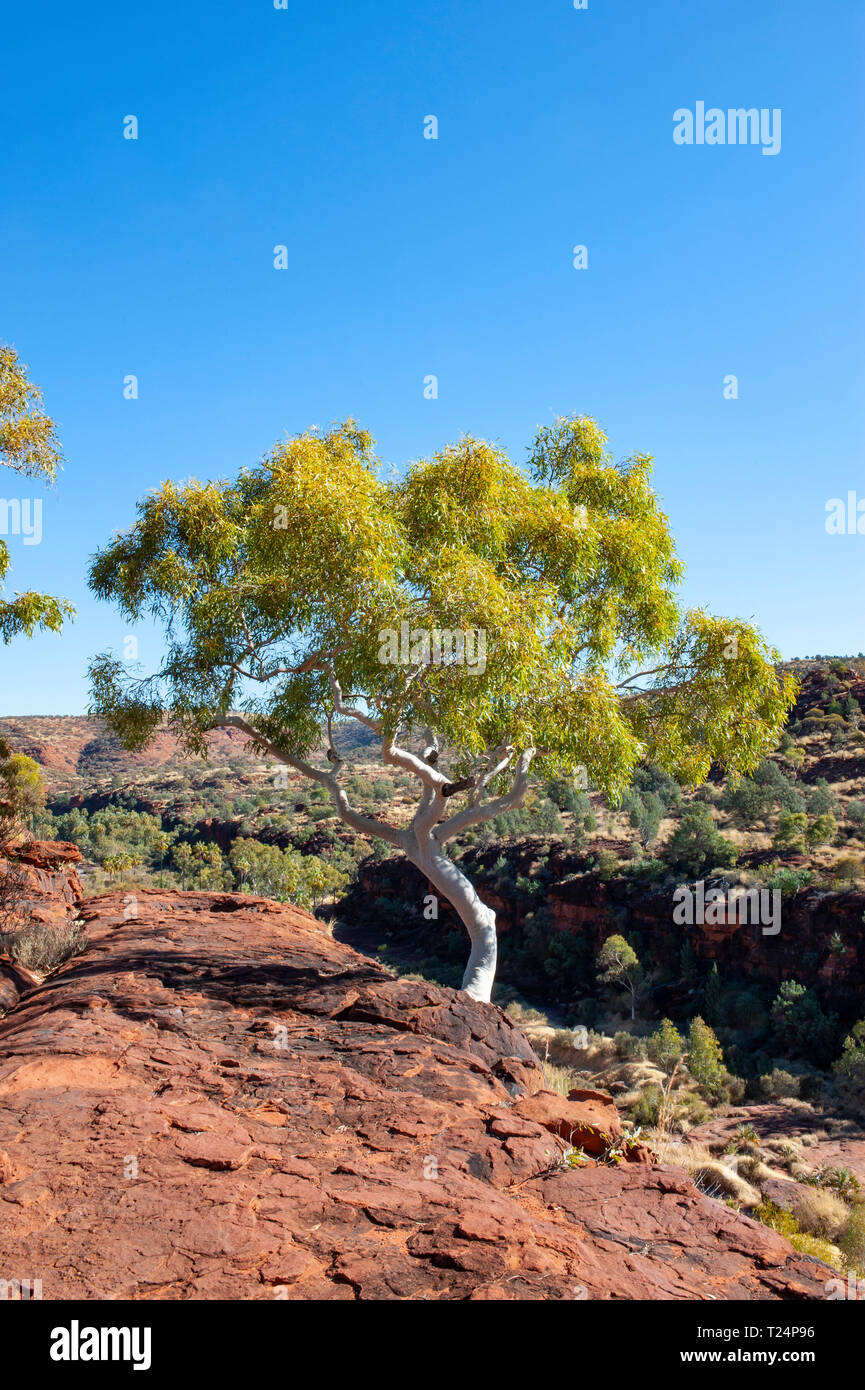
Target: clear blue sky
{"x":409,"y":256}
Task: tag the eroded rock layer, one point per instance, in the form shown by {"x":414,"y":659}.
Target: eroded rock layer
{"x":218,"y":1100}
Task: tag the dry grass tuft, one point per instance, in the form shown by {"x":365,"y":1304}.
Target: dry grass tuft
{"x":41,"y":947}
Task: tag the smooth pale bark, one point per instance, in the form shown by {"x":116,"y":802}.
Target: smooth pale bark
{"x":478,"y":919}
{"x":422,"y":841}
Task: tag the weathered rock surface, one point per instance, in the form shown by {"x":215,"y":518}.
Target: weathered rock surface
{"x":47,"y":885}
{"x":217,"y":1100}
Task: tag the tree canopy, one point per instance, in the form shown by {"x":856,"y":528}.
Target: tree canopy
{"x":28,"y":445}
{"x":292,"y":572}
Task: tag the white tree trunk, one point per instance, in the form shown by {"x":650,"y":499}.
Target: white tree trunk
{"x":478,"y":919}
{"x":422,"y":841}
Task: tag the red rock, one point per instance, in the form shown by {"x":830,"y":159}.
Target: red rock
{"x":377,"y":1138}
{"x":213,"y":1151}
{"x":46,"y":854}
{"x":590,"y":1123}
{"x":49,"y":889}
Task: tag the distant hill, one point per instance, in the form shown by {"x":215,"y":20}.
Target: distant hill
{"x":71,"y":746}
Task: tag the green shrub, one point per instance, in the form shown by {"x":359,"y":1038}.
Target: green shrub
{"x":628,"y":1048}
{"x":852,"y":1242}
{"x":791,"y":831}
{"x":697,"y":845}
{"x":647,"y":1107}
{"x":820,"y":799}
{"x":849,"y":1070}
{"x":666,"y":1046}
{"x":799,"y":1025}
{"x":778,"y":1085}
{"x":706,"y":1061}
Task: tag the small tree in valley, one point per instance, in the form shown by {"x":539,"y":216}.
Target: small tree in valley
{"x":618,"y":964}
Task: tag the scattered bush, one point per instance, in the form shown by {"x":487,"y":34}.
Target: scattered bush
{"x":42,"y":947}
{"x":778,"y":1085}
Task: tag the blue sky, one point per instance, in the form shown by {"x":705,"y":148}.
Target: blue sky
{"x":453,"y":257}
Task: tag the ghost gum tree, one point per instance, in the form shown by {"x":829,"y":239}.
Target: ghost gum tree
{"x":28,"y":445}
{"x":287,"y":595}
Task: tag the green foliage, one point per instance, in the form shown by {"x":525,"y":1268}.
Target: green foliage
{"x":688,"y":963}
{"x":541,"y":817}
{"x":744,"y":1137}
{"x":650,"y":778}
{"x":799,"y":1025}
{"x":28,"y":444}
{"x":778,"y":1084}
{"x":115,"y":831}
{"x":200,"y":864}
{"x":786,"y":1225}
{"x":706,"y":1061}
{"x":666,"y":1046}
{"x":852,"y":1242}
{"x":790,"y":833}
{"x":849,"y":1070}
{"x":565,"y":795}
{"x":567,"y":573}
{"x":645,"y":811}
{"x":776,"y":1218}
{"x":712,"y":994}
{"x":606,"y":864}
{"x":847,"y":869}
{"x":842,"y":1181}
{"x":646,"y":1109}
{"x":629,"y":1048}
{"x":284,"y":874}
{"x":697,"y":845}
{"x":22,"y":791}
{"x":822,"y":830}
{"x":618,"y":965}
{"x":820,"y":799}
{"x":748,"y":801}
{"x":788,"y":881}
{"x":752,"y":800}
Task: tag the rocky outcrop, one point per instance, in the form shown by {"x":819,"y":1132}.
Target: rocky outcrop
{"x":218,"y":1100}
{"x":43,"y":879}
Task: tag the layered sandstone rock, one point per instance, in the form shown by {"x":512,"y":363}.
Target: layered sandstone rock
{"x":217,"y":1100}
{"x":48,"y":885}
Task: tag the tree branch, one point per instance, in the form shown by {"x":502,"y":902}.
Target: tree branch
{"x":477,"y":815}
{"x":348,"y":710}
{"x":364,"y":825}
